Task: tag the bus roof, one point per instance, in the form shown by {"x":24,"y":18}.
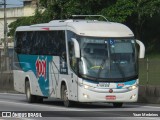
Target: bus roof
{"x":83,"y":27}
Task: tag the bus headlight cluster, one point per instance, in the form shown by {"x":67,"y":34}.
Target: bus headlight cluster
{"x":132,"y":87}
{"x":86,"y":86}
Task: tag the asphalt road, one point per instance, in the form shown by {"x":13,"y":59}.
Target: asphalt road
{"x":52,"y":109}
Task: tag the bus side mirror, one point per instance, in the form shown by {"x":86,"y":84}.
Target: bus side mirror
{"x":142,"y":49}
{"x":76,"y":47}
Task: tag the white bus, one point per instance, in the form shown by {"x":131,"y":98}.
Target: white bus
{"x":77,"y":61}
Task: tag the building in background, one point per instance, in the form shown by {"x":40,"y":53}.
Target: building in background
{"x":28,"y":9}
{"x":12,"y":14}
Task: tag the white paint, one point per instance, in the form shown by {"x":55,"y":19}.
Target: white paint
{"x":84,"y":28}
{"x":142,"y":49}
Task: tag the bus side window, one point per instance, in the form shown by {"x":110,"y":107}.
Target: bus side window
{"x":18,"y":45}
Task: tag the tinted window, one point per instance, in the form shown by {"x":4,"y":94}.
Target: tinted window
{"x":40,"y":42}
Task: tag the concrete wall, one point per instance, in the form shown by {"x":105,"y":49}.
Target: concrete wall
{"x":6,"y":82}
{"x":13,"y":14}
{"x":149,"y":94}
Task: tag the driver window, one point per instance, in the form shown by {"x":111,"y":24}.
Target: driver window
{"x":72,"y":58}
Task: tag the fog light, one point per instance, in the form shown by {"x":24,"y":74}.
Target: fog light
{"x":133,"y":96}
{"x":85,"y":95}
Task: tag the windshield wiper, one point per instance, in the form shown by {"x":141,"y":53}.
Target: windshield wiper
{"x":101,"y":67}
{"x":102,"y":64}
{"x":120,"y":70}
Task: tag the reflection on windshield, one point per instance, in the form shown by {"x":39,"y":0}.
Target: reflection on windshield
{"x":92,"y":57}
{"x":107,"y":58}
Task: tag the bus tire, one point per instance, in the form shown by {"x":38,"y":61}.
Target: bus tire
{"x":64,"y":96}
{"x":30,"y":98}
{"x":117,"y":105}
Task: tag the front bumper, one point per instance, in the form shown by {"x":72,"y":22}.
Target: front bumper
{"x":86,"y":95}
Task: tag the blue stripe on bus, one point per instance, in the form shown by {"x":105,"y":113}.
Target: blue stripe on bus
{"x":29,"y":63}
{"x":91,"y":81}
{"x":132,"y":82}
{"x":119,"y":85}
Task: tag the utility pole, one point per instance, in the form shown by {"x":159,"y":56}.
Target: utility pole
{"x":5,"y":31}
{"x":5,"y":35}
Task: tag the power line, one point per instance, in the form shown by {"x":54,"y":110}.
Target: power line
{"x":5,"y":31}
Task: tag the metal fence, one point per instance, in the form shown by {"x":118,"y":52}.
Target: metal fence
{"x":149,"y":78}
{"x":149,"y":72}
{"x":6,"y":74}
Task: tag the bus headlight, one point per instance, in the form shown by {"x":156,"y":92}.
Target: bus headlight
{"x":86,"y":86}
{"x":132,"y":87}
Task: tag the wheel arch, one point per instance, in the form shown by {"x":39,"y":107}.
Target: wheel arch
{"x":63,"y":82}
{"x":27,"y":78}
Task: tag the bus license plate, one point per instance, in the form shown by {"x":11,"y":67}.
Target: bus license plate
{"x":111,"y":97}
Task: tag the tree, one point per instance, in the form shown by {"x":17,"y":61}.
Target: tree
{"x":133,"y":12}
{"x":19,"y":22}
{"x":60,"y":9}
{"x":144,"y":10}
{"x":120,"y":11}
{"x":24,"y":21}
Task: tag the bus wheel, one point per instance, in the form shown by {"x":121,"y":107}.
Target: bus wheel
{"x":117,"y":105}
{"x":64,"y":96}
{"x":31,"y":98}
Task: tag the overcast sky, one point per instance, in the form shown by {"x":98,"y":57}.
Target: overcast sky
{"x":13,"y":3}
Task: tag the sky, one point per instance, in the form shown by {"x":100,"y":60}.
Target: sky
{"x":13,"y":3}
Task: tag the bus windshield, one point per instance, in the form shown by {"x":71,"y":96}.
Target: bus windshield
{"x":107,"y":59}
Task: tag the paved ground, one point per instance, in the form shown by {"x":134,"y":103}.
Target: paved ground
{"x":54,"y":109}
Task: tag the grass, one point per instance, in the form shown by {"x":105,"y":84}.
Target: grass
{"x":152,"y":56}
